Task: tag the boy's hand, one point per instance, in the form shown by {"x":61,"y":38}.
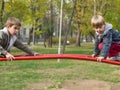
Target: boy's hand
{"x":99,"y":59}
{"x":9,"y":56}
{"x":36,"y":54}
{"x":93,"y":55}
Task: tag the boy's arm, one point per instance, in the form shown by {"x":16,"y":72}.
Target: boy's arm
{"x":22,"y":47}
{"x":96,"y":49}
{"x":3,"y":52}
{"x":106,"y":44}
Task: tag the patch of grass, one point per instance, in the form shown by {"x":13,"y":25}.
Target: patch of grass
{"x":17,"y":75}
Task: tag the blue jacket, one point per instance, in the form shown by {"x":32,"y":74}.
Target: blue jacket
{"x":107,"y":38}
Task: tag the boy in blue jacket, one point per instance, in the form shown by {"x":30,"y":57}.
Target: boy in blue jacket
{"x":107,"y":40}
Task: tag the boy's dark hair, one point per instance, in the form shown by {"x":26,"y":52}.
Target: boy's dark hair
{"x":12,"y":21}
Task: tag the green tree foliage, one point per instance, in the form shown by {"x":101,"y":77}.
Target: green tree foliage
{"x":34,"y":12}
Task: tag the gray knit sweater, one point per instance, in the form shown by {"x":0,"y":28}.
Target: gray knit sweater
{"x":7,"y":41}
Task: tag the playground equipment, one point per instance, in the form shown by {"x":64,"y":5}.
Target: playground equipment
{"x":61,"y":56}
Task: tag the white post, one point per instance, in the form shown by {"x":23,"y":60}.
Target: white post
{"x":60,"y":28}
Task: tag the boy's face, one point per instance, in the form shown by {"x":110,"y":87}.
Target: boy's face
{"x":13,"y":30}
{"x":99,"y":29}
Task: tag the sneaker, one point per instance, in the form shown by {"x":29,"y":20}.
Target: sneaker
{"x":116,"y":58}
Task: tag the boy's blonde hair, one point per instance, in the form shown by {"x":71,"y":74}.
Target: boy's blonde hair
{"x":97,"y":21}
{"x":12,"y":21}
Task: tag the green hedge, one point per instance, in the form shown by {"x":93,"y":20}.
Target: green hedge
{"x":56,"y":40}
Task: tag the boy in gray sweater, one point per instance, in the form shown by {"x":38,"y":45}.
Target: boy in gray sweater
{"x":8,"y":39}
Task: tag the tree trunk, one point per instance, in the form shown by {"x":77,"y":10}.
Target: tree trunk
{"x":69,"y":24}
{"x":51,"y":28}
{"x":30,"y":36}
{"x":78,"y":37}
{"x":1,"y":13}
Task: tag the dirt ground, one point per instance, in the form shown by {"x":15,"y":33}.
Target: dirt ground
{"x":74,"y":85}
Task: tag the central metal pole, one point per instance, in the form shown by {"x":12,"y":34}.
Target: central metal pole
{"x":60,"y":29}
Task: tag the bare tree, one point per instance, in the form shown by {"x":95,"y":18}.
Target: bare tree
{"x":1,"y":11}
{"x":69,"y":24}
